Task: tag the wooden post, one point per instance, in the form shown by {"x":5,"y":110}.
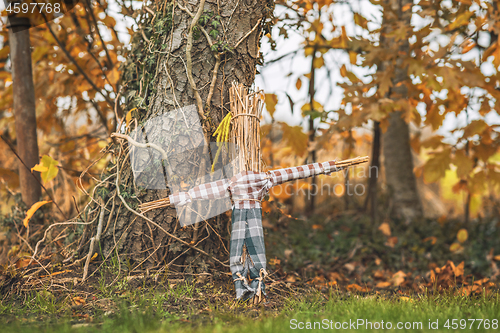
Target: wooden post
{"x":24,"y":107}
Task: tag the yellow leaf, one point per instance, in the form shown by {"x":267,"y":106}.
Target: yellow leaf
{"x":353,"y":57}
{"x":497,"y":257}
{"x":271,"y":100}
{"x":462,"y":235}
{"x":343,"y":71}
{"x":39,"y":168}
{"x":47,"y":167}
{"x":32,"y":211}
{"x":435,"y":168}
{"x":385,"y":228}
{"x":318,"y":62}
{"x":298,"y":84}
{"x":316,"y":107}
{"x":94,"y":256}
{"x":464,"y":164}
{"x":455,"y":247}
{"x":361,"y":21}
{"x":128,"y":117}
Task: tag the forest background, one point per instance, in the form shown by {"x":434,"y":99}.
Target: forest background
{"x":339,"y":78}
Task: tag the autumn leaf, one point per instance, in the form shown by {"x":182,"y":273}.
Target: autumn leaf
{"x":128,"y":117}
{"x":435,"y":168}
{"x":398,"y":278}
{"x":456,"y":247}
{"x":78,"y":300}
{"x":459,"y":270}
{"x":462,"y":235}
{"x":298,"y":84}
{"x":32,"y":210}
{"x":48,"y":168}
{"x":271,"y":100}
{"x":384,"y":284}
{"x":432,"y":239}
{"x":318,"y":62}
{"x":391,"y":241}
{"x":385,"y":228}
{"x":361,"y":21}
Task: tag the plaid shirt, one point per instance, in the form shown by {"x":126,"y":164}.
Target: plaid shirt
{"x":248,"y":188}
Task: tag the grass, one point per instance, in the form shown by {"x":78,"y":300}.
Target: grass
{"x":178,"y":310}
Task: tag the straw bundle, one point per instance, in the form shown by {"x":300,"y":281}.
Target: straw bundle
{"x":246,"y":110}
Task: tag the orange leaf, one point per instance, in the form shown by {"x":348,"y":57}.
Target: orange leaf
{"x":78,"y":300}
{"x":459,"y":270}
{"x":398,"y":278}
{"x":383,"y":285}
{"x":32,"y":211}
{"x":355,"y":287}
{"x":298,"y":84}
{"x":432,"y":239}
{"x":385,"y":228}
{"x":497,"y":257}
{"x":391,"y":241}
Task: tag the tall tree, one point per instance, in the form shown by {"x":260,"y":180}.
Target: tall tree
{"x":396,"y":147}
{"x":24,"y":108}
{"x":182,"y":54}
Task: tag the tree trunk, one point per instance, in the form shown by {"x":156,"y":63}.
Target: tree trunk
{"x":24,"y":108}
{"x":155,"y":81}
{"x":396,"y":147}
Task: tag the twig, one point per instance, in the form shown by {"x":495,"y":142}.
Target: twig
{"x":189,"y":65}
{"x":63,"y":48}
{"x":160,"y":227}
{"x":141,"y":145}
{"x":248,"y":34}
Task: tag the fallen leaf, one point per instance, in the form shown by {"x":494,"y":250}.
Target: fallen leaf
{"x":32,"y":210}
{"x":455,"y":247}
{"x":391,"y":241}
{"x":459,"y":270}
{"x":385,"y":228}
{"x":432,"y":239}
{"x":383,"y":285}
{"x":497,"y":257}
{"x":462,"y":235}
{"x":398,"y":278}
{"x":77,"y":300}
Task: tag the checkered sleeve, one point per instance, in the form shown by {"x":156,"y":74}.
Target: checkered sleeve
{"x":280,"y":176}
{"x":213,"y":190}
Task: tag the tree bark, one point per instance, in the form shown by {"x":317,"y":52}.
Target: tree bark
{"x":396,"y":147}
{"x":24,"y":108}
{"x":156,"y":73}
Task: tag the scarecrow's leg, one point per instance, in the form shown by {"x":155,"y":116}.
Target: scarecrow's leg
{"x":238,"y":269}
{"x":254,"y":240}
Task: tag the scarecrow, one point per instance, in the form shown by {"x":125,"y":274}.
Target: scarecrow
{"x":246,"y":189}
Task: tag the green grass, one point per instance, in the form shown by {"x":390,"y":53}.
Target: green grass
{"x":178,"y":310}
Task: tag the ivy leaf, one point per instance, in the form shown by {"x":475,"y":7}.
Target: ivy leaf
{"x":214,"y":33}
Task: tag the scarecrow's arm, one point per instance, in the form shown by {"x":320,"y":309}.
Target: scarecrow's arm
{"x":213,"y":190}
{"x":280,"y":176}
